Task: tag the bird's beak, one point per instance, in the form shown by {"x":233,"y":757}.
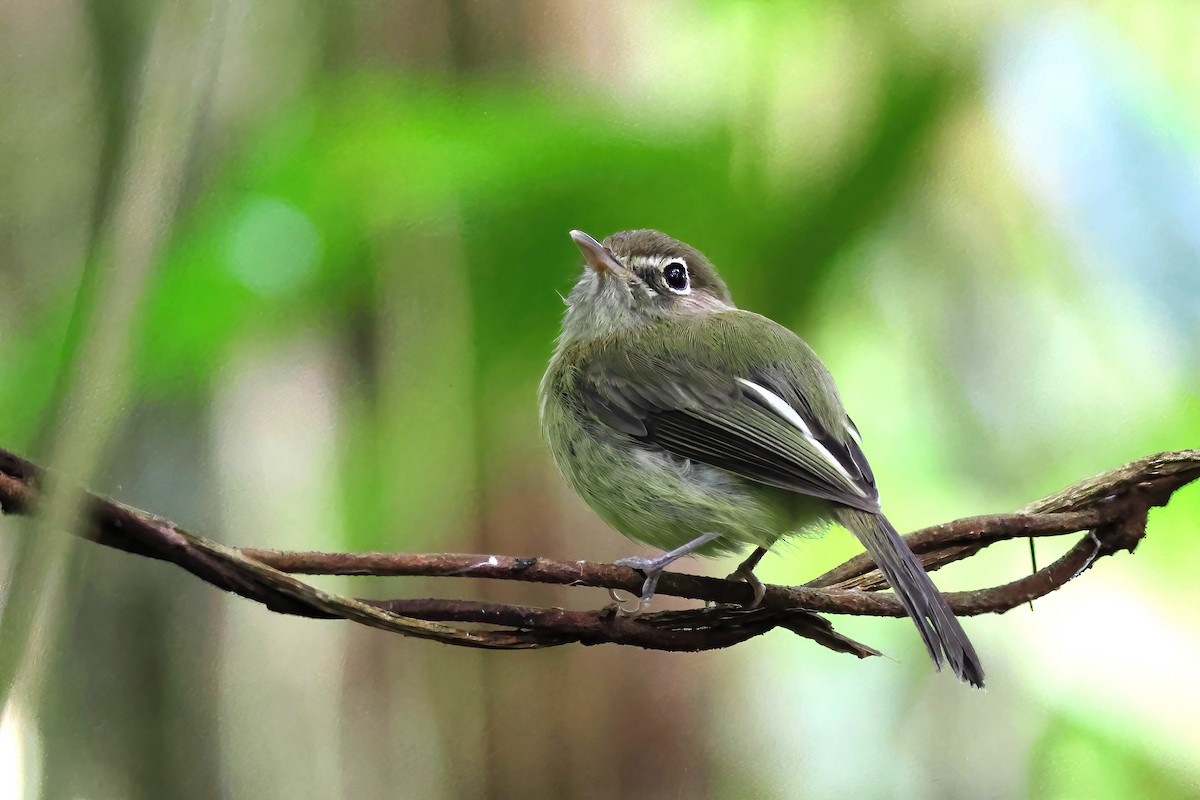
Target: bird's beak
{"x":597,"y":256}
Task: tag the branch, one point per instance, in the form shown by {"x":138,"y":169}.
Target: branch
{"x":1110,"y":510}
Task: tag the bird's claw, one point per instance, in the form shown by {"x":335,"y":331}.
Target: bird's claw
{"x":649,"y":567}
{"x":653,"y":568}
{"x":620,"y":598}
{"x":743,"y":573}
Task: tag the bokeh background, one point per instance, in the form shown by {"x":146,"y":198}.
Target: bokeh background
{"x":287,"y":272}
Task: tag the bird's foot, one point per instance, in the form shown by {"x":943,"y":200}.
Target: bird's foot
{"x":742,"y":573}
{"x":621,"y":599}
{"x":745,"y":572}
{"x":652,"y":568}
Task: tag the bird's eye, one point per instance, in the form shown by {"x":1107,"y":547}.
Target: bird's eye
{"x":676,"y":275}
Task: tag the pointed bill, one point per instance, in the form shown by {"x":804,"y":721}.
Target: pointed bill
{"x":597,"y":256}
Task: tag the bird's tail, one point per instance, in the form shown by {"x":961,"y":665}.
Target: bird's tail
{"x":937,"y":624}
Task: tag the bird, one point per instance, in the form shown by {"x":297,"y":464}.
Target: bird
{"x":698,"y":428}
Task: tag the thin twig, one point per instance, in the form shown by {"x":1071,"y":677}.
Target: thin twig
{"x":1110,"y":508}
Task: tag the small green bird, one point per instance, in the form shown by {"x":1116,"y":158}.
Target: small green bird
{"x":695,"y":427}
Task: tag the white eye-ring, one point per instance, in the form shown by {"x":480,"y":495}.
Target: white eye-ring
{"x":675,"y":275}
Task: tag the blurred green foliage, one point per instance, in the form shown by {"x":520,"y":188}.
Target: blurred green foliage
{"x":340,"y":345}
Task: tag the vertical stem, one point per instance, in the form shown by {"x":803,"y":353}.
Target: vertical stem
{"x":181,"y":58}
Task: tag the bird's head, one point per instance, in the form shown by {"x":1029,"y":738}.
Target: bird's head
{"x":637,"y":278}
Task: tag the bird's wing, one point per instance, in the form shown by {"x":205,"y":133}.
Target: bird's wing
{"x":741,"y":400}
